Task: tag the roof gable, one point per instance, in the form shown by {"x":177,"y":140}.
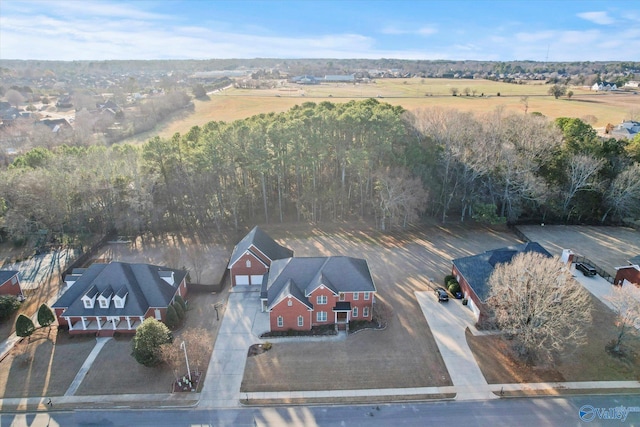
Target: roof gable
{"x":261,"y":241}
{"x":301,"y":276}
{"x":6,"y":275}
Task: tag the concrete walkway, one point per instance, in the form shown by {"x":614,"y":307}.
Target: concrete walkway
{"x":448,"y":322}
{"x":221,"y":388}
{"x":100,"y":342}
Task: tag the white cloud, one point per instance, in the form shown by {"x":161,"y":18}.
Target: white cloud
{"x":600,"y":18}
{"x":422,"y":31}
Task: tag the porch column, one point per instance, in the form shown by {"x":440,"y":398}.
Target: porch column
{"x":113,"y":322}
{"x":98,"y":321}
{"x":128,"y":322}
{"x":84,"y":324}
{"x":68,"y":319}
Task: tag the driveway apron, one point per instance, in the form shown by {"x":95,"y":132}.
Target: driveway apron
{"x":448,"y":322}
{"x":226,"y":368}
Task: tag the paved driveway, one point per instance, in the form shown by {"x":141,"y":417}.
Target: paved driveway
{"x":448,"y":322}
{"x":226,"y":368}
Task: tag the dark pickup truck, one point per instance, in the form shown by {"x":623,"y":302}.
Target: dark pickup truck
{"x":586,"y":269}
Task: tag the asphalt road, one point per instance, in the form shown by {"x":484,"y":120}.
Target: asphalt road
{"x":502,"y":412}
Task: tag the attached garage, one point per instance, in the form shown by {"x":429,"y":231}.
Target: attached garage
{"x":243,"y":279}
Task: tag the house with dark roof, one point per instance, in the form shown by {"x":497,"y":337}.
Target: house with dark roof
{"x":252,"y":256}
{"x":299,"y":293}
{"x":473,"y":272}
{"x":10,"y":283}
{"x":117,"y":297}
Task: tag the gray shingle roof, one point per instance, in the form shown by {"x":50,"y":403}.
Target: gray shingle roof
{"x":141,"y":281}
{"x":300,"y":276}
{"x":263,"y":242}
{"x":635,"y":260}
{"x":476,"y":269}
{"x":6,"y":275}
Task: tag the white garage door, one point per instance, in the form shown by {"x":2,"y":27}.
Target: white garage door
{"x":242,"y":280}
{"x":256,"y":279}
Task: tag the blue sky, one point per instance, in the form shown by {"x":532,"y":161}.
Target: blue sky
{"x":199,"y":29}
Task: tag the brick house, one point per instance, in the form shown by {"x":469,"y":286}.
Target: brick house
{"x":252,"y":256}
{"x":299,"y":293}
{"x":473,"y":272}
{"x":10,"y":283}
{"x":628,"y":273}
{"x":117,"y":297}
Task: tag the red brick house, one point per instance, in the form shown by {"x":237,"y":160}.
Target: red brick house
{"x":10,"y":283}
{"x":117,"y":297}
{"x":252,"y":256}
{"x":299,"y":293}
{"x":473,"y":273}
{"x":628,"y":273}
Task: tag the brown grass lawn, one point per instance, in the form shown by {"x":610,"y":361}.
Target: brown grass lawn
{"x":43,"y":366}
{"x":590,"y":362}
{"x":233,"y":104}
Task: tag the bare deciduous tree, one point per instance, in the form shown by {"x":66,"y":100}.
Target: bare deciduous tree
{"x":626,"y":304}
{"x":536,"y":301}
{"x":400,"y":197}
{"x":199,"y":346}
{"x":581,"y":174}
{"x":172,"y":356}
{"x":622,"y":198}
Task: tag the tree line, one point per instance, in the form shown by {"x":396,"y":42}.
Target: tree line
{"x":328,"y":162}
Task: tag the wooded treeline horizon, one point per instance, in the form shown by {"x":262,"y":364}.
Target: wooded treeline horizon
{"x":324,"y":162}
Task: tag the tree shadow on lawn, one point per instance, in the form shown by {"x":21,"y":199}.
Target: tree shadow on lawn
{"x":45,"y":365}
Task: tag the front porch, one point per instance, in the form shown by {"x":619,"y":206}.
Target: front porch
{"x":104,"y":326}
{"x":342,"y":314}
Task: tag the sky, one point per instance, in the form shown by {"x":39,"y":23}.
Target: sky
{"x":561,"y":30}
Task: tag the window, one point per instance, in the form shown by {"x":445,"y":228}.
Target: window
{"x":248,"y":263}
{"x":365,"y":312}
{"x":355,"y":311}
{"x":300,"y":321}
{"x":321,"y":316}
{"x":366,"y":296}
{"x":289,"y":303}
{"x":280,"y":322}
{"x":87,"y":303}
{"x":118,"y":302}
{"x":341,"y":296}
{"x":103,"y":303}
{"x":356,"y":296}
{"x":321,"y":300}
{"x":158,"y":314}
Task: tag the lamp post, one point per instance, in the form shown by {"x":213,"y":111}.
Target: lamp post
{"x":184,"y":347}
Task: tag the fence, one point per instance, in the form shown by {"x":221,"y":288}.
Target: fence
{"x":601,"y":272}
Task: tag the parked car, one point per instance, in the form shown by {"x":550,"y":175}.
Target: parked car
{"x":442,"y":295}
{"x":586,"y":269}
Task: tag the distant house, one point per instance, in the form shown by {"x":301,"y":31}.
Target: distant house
{"x":252,"y":257}
{"x":299,"y":293}
{"x":10,"y":283}
{"x":64,"y":102}
{"x":604,"y":86}
{"x":347,"y":78}
{"x":473,"y":272}
{"x":632,"y":83}
{"x":627,"y":129}
{"x":56,"y":125}
{"x":305,"y":80}
{"x":117,"y":297}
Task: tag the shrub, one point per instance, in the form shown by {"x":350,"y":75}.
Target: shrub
{"x":45,"y":316}
{"x":171,"y":319}
{"x":179,"y":311}
{"x":147,"y":341}
{"x":454,"y":287}
{"x":267,"y":346}
{"x":180,"y":301}
{"x":8,"y":305}
{"x":24,"y":326}
{"x":448,"y":278}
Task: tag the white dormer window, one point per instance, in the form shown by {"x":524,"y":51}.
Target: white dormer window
{"x":88,"y":302}
{"x":248,"y":263}
{"x":104,"y":303}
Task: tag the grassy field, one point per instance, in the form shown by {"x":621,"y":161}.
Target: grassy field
{"x":233,"y":104}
